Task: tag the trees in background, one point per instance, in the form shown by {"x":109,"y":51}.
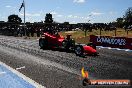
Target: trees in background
{"x":120,"y":22}
{"x":126,"y":20}
{"x":128,"y":16}
{"x":14,"y":18}
{"x":49,"y":23}
{"x":48,"y":18}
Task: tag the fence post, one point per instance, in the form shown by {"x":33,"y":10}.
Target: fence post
{"x":115,"y":32}
{"x":100,"y":31}
{"x":127,"y":32}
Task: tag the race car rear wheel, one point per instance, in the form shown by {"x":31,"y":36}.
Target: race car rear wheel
{"x":42,"y":43}
{"x":79,"y":50}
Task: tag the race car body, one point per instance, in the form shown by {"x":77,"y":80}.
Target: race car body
{"x":83,"y":49}
{"x":57,"y":41}
{"x":53,"y":40}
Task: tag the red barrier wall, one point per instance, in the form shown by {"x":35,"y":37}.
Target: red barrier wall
{"x":114,"y":42}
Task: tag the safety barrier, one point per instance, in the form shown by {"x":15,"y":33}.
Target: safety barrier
{"x":110,"y":41}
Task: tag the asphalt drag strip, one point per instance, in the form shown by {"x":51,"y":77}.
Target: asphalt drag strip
{"x":57,"y":69}
{"x":47,"y":73}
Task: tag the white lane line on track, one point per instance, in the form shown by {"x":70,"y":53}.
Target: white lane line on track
{"x":20,"y":68}
{"x":127,"y":50}
{"x":37,"y":85}
{"x":109,"y":48}
{"x":118,"y":49}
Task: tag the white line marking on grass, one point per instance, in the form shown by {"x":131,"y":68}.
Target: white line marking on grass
{"x":20,"y":68}
{"x":37,"y":85}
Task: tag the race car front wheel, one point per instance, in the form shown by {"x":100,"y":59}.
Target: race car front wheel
{"x":92,"y":45}
{"x":79,"y":50}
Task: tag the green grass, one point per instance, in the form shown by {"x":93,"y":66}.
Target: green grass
{"x":79,"y":36}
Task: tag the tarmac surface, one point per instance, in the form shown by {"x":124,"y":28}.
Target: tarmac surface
{"x":59,"y":69}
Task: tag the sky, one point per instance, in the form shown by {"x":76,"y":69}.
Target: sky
{"x":73,"y":11}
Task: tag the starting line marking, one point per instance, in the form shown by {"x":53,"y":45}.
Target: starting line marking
{"x":127,"y":50}
{"x":27,"y":79}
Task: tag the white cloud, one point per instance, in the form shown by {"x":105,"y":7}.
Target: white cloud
{"x":78,"y":17}
{"x":8,"y":6}
{"x":3,"y":18}
{"x":73,"y":22}
{"x":75,"y":16}
{"x":70,"y":16}
{"x":96,"y":13}
{"x":53,"y":12}
{"x":30,"y":15}
{"x":112,"y":12}
{"x":87,"y":18}
{"x":56,"y":14}
{"x":79,"y":1}
{"x":30,"y":19}
{"x":36,"y":14}
{"x":59,"y":15}
{"x":41,"y":12}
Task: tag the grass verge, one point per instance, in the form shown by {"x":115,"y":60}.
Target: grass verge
{"x":80,"y":37}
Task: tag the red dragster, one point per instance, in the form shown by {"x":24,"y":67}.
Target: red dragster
{"x":57,"y":41}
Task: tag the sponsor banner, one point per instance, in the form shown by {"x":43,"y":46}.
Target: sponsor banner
{"x":111,"y":82}
{"x":114,"y":42}
{"x":105,"y":82}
